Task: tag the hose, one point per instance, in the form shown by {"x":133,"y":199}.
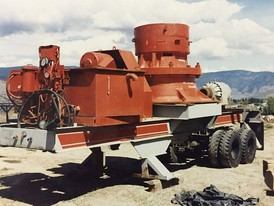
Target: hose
{"x":56,"y":105}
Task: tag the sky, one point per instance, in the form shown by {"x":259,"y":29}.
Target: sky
{"x":225,"y":34}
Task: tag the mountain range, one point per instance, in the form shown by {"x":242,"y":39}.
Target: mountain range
{"x":244,"y":84}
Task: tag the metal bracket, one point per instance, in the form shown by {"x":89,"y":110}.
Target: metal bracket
{"x":162,"y":172}
{"x":148,"y":150}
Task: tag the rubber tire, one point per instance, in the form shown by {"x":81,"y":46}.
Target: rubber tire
{"x":248,"y":138}
{"x":213,"y":147}
{"x":230,"y":149}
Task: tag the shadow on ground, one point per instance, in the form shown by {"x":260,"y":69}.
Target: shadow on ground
{"x":40,"y":189}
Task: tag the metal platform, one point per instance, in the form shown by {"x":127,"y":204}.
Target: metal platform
{"x":186,"y":112}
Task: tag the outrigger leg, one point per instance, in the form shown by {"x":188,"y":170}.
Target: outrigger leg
{"x":94,"y":163}
{"x":148,"y":150}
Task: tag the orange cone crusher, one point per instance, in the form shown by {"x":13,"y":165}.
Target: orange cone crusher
{"x":162,"y":51}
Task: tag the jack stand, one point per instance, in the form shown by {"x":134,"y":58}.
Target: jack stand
{"x":148,"y":150}
{"x":161,"y":171}
{"x":94,"y":163}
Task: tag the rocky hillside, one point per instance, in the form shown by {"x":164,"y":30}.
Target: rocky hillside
{"x":244,"y":84}
{"x":4,"y":72}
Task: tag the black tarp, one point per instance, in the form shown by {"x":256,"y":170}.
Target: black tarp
{"x":211,"y":196}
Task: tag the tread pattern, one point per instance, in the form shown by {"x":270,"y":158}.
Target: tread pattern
{"x":248,"y":138}
{"x":230,"y":149}
{"x":213,"y":147}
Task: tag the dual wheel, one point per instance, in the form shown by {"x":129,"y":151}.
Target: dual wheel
{"x":229,"y":148}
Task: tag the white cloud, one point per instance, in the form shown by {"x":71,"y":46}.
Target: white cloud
{"x":72,"y":49}
{"x":247,"y":35}
{"x":218,"y":36}
{"x":211,"y":47}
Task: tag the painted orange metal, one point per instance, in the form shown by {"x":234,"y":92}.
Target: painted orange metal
{"x":52,"y":73}
{"x":110,"y":87}
{"x":14,"y":87}
{"x":99,"y":135}
{"x":228,"y":119}
{"x":123,"y":59}
{"x":29,"y":79}
{"x":162,"y":51}
{"x":106,"y":96}
{"x":155,"y":42}
{"x":21,"y":83}
{"x":97,"y":59}
{"x":109,"y":96}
